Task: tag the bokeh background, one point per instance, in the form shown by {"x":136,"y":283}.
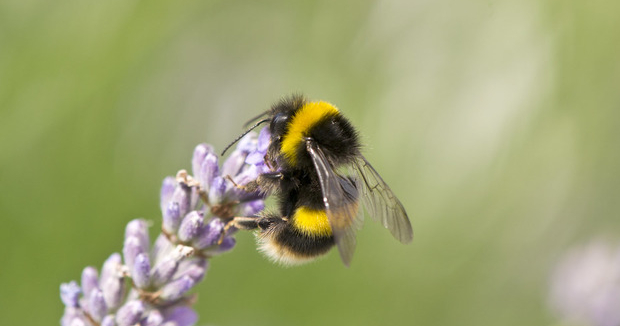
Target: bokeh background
{"x":497,"y":123}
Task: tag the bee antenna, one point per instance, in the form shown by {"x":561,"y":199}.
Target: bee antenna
{"x":243,"y":134}
{"x":247,"y":123}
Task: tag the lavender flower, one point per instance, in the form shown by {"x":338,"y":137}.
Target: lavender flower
{"x":150,"y":285}
{"x":585,"y":285}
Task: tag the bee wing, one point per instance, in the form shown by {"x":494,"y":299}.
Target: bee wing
{"x":340,"y":197}
{"x":381,"y":203}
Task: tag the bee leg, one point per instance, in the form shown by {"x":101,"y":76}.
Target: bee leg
{"x":248,"y":187}
{"x":268,"y":162}
{"x":264,"y":181}
{"x":248,"y":223}
{"x":242,"y":223}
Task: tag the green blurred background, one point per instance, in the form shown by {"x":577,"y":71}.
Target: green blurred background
{"x":496,"y":122}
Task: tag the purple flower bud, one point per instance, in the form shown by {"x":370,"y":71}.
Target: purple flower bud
{"x":247,"y":143}
{"x":255,"y":158}
{"x":177,"y":288}
{"x":190,"y":226}
{"x":208,"y":170}
{"x":70,"y":293}
{"x":195,"y":269}
{"x":233,"y":163}
{"x":69,"y":315}
{"x":77,"y":322}
{"x":209,"y":234}
{"x":199,"y":155}
{"x":169,"y":323}
{"x":96,"y":305}
{"x":249,"y":174}
{"x":130,"y":313}
{"x":141,"y":270}
{"x":172,"y":217}
{"x":181,"y":316}
{"x":108,"y":321}
{"x":131,"y":249}
{"x":264,"y":139}
{"x":195,"y":200}
{"x":217,"y":190}
{"x":113,"y":292}
{"x":181,"y":195}
{"x":110,"y":268}
{"x":163,"y":272}
{"x":227,"y":244}
{"x":139,"y":229}
{"x":251,"y":208}
{"x":161,"y":247}
{"x":153,"y":318}
{"x":89,"y":280}
{"x":167,"y":189}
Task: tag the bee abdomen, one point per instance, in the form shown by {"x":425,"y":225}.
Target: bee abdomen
{"x":311,"y":222}
{"x":304,"y":245}
{"x":306,"y":236}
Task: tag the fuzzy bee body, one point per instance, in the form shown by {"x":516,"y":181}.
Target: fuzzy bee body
{"x":318,"y":206}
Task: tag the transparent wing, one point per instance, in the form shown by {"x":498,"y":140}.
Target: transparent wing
{"x":381,"y":203}
{"x":340,"y":197}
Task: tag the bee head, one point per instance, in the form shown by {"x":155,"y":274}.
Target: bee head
{"x":278,"y":124}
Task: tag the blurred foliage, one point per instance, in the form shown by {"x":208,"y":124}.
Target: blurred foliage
{"x":496,"y":122}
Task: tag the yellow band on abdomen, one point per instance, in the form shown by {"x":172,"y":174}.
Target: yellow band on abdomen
{"x":312,"y":222}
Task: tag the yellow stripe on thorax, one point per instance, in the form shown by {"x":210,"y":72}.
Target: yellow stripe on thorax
{"x":312,"y":222}
{"x":301,"y":123}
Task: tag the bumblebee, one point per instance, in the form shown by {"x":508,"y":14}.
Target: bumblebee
{"x":318,"y":204}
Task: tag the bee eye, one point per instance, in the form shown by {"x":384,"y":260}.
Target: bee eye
{"x":278,"y":124}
